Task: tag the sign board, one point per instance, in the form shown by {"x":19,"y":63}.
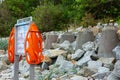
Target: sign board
{"x":22,"y":27}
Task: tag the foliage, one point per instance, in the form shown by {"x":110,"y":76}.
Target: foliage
{"x":57,"y":14}
{"x":88,"y":20}
{"x":6,"y":20}
{"x":3,"y":44}
{"x":48,"y":17}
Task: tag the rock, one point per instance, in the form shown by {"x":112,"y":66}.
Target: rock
{"x":85,"y":58}
{"x":112,"y":77}
{"x":47,"y":59}
{"x":55,"y":53}
{"x":44,"y":66}
{"x":116,"y":51}
{"x":2,"y":66}
{"x":24,"y":66}
{"x":107,"y":60}
{"x":88,"y":46}
{"x":65,"y":66}
{"x":75,"y":77}
{"x":103,"y":70}
{"x":69,"y":57}
{"x":116,"y":70}
{"x":108,"y":41}
{"x":67,"y":36}
{"x":60,"y":60}
{"x":78,"y":53}
{"x":2,"y":52}
{"x":65,"y":45}
{"x":73,"y":45}
{"x":88,"y":71}
{"x":94,"y":64}
{"x":84,"y":37}
{"x":50,"y":38}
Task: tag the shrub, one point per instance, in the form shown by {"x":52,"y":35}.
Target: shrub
{"x":48,"y":17}
{"x":3,"y":44}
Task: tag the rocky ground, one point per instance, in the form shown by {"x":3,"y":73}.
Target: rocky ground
{"x":73,"y":55}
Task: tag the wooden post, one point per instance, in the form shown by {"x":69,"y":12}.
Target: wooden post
{"x":32,"y":72}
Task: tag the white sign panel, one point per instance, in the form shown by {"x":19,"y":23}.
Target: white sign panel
{"x":22,"y":27}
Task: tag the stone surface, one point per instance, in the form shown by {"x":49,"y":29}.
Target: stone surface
{"x":50,"y":38}
{"x":94,"y":64}
{"x":116,"y":52}
{"x":84,"y":37}
{"x":108,"y":41}
{"x":78,"y":53}
{"x":67,"y":36}
{"x":2,"y":52}
{"x":85,"y":58}
{"x":76,"y":77}
{"x":89,"y":71}
{"x":47,"y":59}
{"x":107,"y":60}
{"x":55,"y":53}
{"x":44,"y":66}
{"x":88,"y":46}
{"x":65,"y":45}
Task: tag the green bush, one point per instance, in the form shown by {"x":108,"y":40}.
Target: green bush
{"x":3,"y":44}
{"x":48,"y":17}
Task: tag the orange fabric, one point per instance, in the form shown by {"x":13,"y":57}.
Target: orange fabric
{"x":33,"y":45}
{"x":11,"y":46}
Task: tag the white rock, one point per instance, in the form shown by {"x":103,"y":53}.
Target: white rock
{"x":85,"y":58}
{"x":78,"y":53}
{"x":54,"y":53}
{"x":65,"y":44}
{"x":66,"y":65}
{"x":94,"y":64}
{"x":24,"y":67}
{"x":73,"y":45}
{"x":60,"y":60}
{"x":88,"y":46}
{"x":116,"y":51}
{"x":103,"y":70}
{"x":75,"y":77}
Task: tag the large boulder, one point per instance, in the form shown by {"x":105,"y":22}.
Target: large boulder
{"x":84,"y":37}
{"x":67,"y":36}
{"x":50,"y":38}
{"x":108,"y":41}
{"x":116,"y":52}
{"x":78,"y":53}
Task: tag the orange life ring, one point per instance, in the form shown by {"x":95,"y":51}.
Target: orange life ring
{"x":33,"y":45}
{"x":11,"y":46}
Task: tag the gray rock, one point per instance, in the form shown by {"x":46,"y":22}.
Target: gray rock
{"x":116,"y":70}
{"x":108,"y":41}
{"x":67,"y":36}
{"x":65,"y":45}
{"x":60,"y":60}
{"x":116,"y":51}
{"x":85,"y":58}
{"x":112,"y":77}
{"x":84,"y":37}
{"x":78,"y":53}
{"x":88,"y":46}
{"x":50,"y":38}
{"x":76,"y":77}
{"x":44,"y":66}
{"x":65,"y":66}
{"x":94,"y":64}
{"x":54,"y":53}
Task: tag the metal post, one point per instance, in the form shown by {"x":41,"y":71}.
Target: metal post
{"x":32,"y":72}
{"x":16,"y":60}
{"x":16,"y":67}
